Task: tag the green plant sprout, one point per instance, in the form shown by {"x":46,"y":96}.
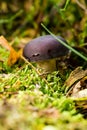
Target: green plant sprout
{"x":66,"y":5}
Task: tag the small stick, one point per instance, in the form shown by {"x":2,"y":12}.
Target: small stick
{"x":81,"y":6}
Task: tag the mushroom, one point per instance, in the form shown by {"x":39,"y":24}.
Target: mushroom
{"x":44,"y":50}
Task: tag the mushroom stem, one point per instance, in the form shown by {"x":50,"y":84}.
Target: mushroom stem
{"x":47,"y":66}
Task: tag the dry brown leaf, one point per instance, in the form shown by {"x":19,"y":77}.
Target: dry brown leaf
{"x":77,"y":83}
{"x":14,"y":56}
{"x":4,"y":43}
{"x":80,"y":88}
{"x":80,"y":94}
{"x":76,"y":88}
{"x":75,"y":75}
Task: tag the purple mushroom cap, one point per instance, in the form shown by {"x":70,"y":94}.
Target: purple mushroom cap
{"x":43,"y":48}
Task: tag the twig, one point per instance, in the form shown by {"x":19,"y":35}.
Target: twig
{"x":81,"y":6}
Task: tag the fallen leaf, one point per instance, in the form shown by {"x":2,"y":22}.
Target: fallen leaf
{"x":14,"y":56}
{"x":80,"y":94}
{"x":75,"y":75}
{"x":76,"y":88}
{"x":4,"y":43}
{"x":80,"y":88}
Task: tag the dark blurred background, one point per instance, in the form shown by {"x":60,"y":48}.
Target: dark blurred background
{"x":22,"y":18}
